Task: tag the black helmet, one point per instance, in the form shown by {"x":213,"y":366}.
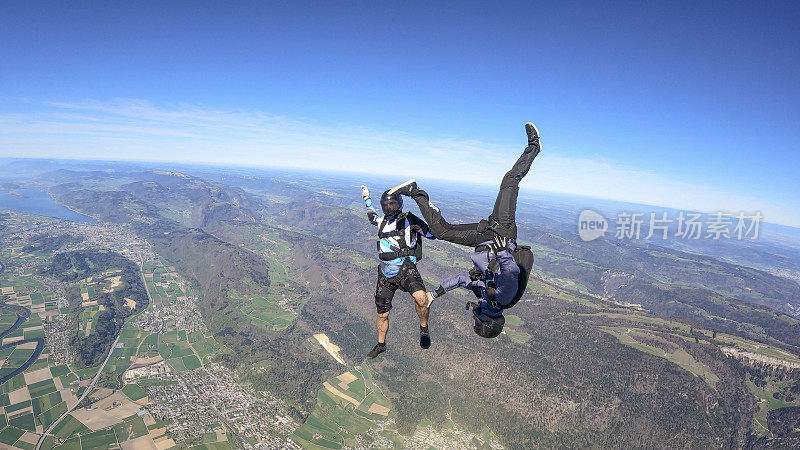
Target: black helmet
{"x":388,"y":209}
{"x":488,"y":327}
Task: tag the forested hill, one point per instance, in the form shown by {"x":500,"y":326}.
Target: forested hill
{"x":124,"y":290}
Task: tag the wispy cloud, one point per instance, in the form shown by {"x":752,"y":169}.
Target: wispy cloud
{"x":139,"y":130}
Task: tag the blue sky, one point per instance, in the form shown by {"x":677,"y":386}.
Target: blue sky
{"x":675,"y":104}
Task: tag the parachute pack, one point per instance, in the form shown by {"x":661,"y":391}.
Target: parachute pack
{"x":524,"y":258}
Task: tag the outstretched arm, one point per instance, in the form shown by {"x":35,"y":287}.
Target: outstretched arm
{"x":461,"y":280}
{"x":372,"y":216}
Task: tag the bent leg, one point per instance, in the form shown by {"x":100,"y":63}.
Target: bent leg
{"x":462,"y":234}
{"x":503,"y":216}
{"x":421,"y":305}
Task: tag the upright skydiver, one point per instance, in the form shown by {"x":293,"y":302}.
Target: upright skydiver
{"x":399,"y":250}
{"x":501,"y":269}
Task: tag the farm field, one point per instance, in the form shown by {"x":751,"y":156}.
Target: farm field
{"x":352,"y":411}
{"x":118,"y":416}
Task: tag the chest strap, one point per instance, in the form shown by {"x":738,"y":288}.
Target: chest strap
{"x":400,"y":233}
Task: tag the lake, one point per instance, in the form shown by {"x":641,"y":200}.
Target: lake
{"x":38,"y":202}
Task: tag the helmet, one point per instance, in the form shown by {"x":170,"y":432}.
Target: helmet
{"x":488,"y":327}
{"x":392,"y":204}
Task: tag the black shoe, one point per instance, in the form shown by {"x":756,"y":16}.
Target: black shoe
{"x":379,"y":348}
{"x":424,"y":337}
{"x":406,"y":188}
{"x":533,"y":134}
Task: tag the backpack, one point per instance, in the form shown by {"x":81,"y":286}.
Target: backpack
{"x":523,"y":256}
{"x":524,"y":259}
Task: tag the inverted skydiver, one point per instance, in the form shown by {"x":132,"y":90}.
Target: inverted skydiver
{"x":495,"y":278}
{"x":399,"y":250}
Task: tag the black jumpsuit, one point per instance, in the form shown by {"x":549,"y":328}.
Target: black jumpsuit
{"x":503,"y":218}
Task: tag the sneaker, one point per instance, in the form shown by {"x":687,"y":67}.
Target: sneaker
{"x":364,"y":192}
{"x":379,"y":348}
{"x":424,"y":337}
{"x":533,"y":133}
{"x":404,"y":189}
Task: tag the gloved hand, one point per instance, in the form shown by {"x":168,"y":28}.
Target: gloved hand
{"x":498,"y":244}
{"x":364,"y":192}
{"x":415,"y":230}
{"x":475,"y":274}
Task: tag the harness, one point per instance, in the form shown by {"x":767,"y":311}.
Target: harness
{"x":399,"y":232}
{"x":487,"y":278}
{"x":523,"y":257}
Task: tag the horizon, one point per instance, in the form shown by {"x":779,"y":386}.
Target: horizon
{"x":525,"y":192}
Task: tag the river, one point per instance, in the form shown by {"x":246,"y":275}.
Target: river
{"x":22,"y":315}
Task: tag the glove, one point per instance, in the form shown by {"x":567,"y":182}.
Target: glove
{"x":415,"y":230}
{"x":498,"y":245}
{"x":475,"y":274}
{"x":364,"y":192}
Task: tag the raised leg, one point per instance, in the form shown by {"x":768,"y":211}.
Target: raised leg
{"x":504,"y":215}
{"x":502,"y":221}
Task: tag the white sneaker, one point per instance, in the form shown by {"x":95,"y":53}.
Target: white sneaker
{"x":404,"y":188}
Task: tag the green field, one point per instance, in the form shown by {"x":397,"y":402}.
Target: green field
{"x":134,"y":391}
{"x":98,"y":439}
{"x":69,"y":426}
{"x":334,"y":421}
{"x":767,"y":403}
{"x":627,"y":336}
{"x":517,"y":336}
{"x":130,"y":429}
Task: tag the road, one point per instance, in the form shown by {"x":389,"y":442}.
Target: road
{"x":22,"y":316}
{"x":86,"y":392}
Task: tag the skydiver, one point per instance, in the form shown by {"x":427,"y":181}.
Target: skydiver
{"x":399,"y":250}
{"x":495,"y":278}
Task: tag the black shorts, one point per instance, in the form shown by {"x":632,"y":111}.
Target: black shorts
{"x":408,"y":280}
